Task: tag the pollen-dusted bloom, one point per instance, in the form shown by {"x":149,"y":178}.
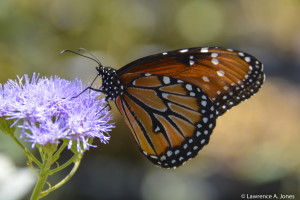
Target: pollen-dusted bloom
{"x":48,"y":111}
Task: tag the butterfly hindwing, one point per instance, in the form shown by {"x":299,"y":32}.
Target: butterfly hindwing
{"x":171,"y":120}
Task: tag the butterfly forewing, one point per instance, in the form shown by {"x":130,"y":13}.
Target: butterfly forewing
{"x":171,"y":119}
{"x":226,"y":76}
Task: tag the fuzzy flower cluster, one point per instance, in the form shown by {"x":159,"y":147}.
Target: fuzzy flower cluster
{"x":46,"y":111}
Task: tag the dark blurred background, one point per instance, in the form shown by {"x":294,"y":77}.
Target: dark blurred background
{"x":255,"y":146}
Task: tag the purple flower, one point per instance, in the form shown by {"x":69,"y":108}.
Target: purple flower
{"x":48,"y":112}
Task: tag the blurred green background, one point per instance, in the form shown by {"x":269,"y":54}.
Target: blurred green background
{"x":255,"y":146}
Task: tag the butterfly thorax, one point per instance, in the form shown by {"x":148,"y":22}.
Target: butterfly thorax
{"x":111,"y":84}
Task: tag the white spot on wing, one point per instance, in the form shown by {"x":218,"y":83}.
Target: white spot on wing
{"x":166,"y":80}
{"x":215,"y":61}
{"x":204,"y":103}
{"x":204,"y":50}
{"x":247,"y":59}
{"x":165,"y":95}
{"x":192,"y":94}
{"x":157,"y":129}
{"x":241,"y":54}
{"x":163,"y":158}
{"x":183,"y":50}
{"x":205,"y":78}
{"x":189,"y":87}
{"x":220,"y":73}
{"x":214,"y":54}
{"x":169,"y":153}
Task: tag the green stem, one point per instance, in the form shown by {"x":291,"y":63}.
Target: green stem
{"x":44,"y":173}
{"x":66,"y":164}
{"x":77,"y":161}
{"x":26,"y":152}
{"x":58,"y":152}
{"x":41,"y":151}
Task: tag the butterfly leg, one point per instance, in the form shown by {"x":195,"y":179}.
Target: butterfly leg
{"x":88,"y":88}
{"x":107,"y":105}
{"x":97,"y":90}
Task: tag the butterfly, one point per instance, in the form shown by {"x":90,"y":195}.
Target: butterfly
{"x":171,"y":100}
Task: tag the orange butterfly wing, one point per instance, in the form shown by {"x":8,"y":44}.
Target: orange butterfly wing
{"x":171,"y":120}
{"x":226,"y":76}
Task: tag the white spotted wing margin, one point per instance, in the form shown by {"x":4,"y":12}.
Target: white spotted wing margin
{"x":171,"y":120}
{"x":236,"y":93}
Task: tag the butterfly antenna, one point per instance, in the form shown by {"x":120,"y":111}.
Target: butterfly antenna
{"x":89,"y":53}
{"x":92,"y":57}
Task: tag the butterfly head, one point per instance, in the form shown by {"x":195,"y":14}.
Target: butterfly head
{"x":111,"y":84}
